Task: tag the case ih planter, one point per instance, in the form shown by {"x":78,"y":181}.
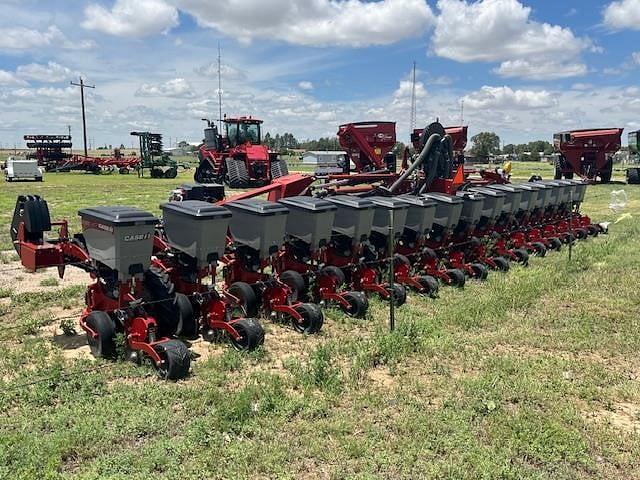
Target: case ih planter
{"x":187,"y":247}
{"x":115,"y":248}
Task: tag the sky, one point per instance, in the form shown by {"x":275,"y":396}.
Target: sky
{"x":523,"y":69}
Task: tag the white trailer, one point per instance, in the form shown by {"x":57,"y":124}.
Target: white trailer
{"x":22,"y":169}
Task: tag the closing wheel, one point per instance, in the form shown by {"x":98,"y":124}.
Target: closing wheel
{"x":358,"y":304}
{"x":248,"y":301}
{"x":502,"y":264}
{"x":187,"y":322}
{"x":399,"y":294}
{"x":429,"y":285}
{"x":295,"y":282}
{"x":480,"y":271}
{"x":336,"y":273}
{"x":569,"y":238}
{"x":556,"y":244}
{"x":312,"y":318}
{"x":399,"y":259}
{"x":175,"y":359}
{"x":102,"y":346}
{"x":251,"y":333}
{"x":593,"y":230}
{"x":522,"y":255}
{"x":581,"y":233}
{"x":540,"y":249}
{"x":457,"y":277}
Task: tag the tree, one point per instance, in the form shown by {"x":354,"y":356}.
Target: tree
{"x":485,"y":144}
{"x":509,"y":149}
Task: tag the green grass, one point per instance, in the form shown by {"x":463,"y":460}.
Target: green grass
{"x":530,"y":375}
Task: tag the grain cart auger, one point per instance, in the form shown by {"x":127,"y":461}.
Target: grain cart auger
{"x":308,"y":234}
{"x":238,"y":158}
{"x":258,"y":230}
{"x":153,"y":158}
{"x":127,"y":295}
{"x":587,"y":153}
{"x":187,"y":246}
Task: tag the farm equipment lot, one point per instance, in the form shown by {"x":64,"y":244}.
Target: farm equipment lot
{"x":532,"y":374}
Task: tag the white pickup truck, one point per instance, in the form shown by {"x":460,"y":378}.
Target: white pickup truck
{"x":22,"y":169}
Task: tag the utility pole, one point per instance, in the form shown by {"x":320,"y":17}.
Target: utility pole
{"x":219,"y":89}
{"x":82,"y":86}
{"x":71,"y":147}
{"x":412,"y":120}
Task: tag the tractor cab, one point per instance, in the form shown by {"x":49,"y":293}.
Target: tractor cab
{"x":242,"y":130}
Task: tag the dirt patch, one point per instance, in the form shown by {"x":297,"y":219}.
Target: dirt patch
{"x":381,"y":377}
{"x":623,"y":416}
{"x":18,"y":280}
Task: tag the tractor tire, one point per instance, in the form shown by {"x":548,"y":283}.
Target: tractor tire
{"x":176,"y":360}
{"x":457,"y":276}
{"x":156,"y":173}
{"x":336,"y":273}
{"x":558,"y":170}
{"x":633,"y":176}
{"x":295,"y":282}
{"x":247,"y":297}
{"x":430,"y":285}
{"x":252,"y":335}
{"x":103,"y":346}
{"x":312,"y":319}
{"x":237,"y":173}
{"x":171,"y":173}
{"x":279,"y":168}
{"x":358,"y":304}
{"x":502,"y":264}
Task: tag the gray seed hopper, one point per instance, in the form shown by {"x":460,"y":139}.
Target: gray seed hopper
{"x":258,"y":224}
{"x":421,"y":214}
{"x":382,"y":219}
{"x":310,"y":219}
{"x":354,"y":217}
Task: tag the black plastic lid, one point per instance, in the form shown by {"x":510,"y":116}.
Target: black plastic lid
{"x":119,"y":215}
{"x":196,"y":209}
{"x":258,"y":207}
{"x":489,"y":192}
{"x":313,"y":204}
{"x":470,"y":196}
{"x":390,"y":203}
{"x":416,"y":201}
{"x":505,"y":188}
{"x":351,"y":201}
{"x":531,"y":186}
{"x":443,"y":198}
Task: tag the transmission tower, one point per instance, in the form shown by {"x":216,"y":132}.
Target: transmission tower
{"x":412,"y":120}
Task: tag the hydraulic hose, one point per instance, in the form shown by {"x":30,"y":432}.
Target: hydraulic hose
{"x":421,"y":158}
{"x":435,"y":168}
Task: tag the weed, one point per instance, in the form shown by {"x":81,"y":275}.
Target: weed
{"x":49,"y":282}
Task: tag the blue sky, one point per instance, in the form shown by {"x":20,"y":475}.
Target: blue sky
{"x":523,"y":69}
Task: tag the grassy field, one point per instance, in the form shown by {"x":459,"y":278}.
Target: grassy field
{"x":532,"y":374}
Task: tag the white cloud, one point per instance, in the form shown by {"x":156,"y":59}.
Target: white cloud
{"x":305,"y":85}
{"x":635,"y":58}
{"x":622,"y":14}
{"x":353,"y":23}
{"x":506,"y":98}
{"x":502,"y":31}
{"x":51,"y":72}
{"x":546,"y":70}
{"x":132,"y":18}
{"x":21,"y":38}
{"x":9,"y":79}
{"x":176,"y":88}
{"x":226,"y":71}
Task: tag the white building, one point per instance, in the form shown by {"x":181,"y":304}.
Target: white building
{"x":323,"y":158}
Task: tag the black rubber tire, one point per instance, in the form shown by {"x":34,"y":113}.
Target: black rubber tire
{"x":480,"y":271}
{"x":103,"y":346}
{"x":458,"y":278}
{"x":252,"y":335}
{"x":171,"y":173}
{"x":358,"y":304}
{"x":568,"y":176}
{"x":399,"y":294}
{"x":593,"y":230}
{"x":540,"y":249}
{"x":312,"y":319}
{"x":523,"y":256}
{"x":336,"y":273}
{"x":607,"y":172}
{"x":187,"y":321}
{"x":633,"y":176}
{"x":430,"y":253}
{"x":569,"y":238}
{"x":430,"y":285}
{"x":279,"y":168}
{"x":558,"y":170}
{"x":581,"y":233}
{"x":399,"y":259}
{"x":295,"y":282}
{"x":247,"y":296}
{"x":159,"y":291}
{"x":556,"y":244}
{"x":237,"y":173}
{"x":502,"y":264}
{"x":176,"y":360}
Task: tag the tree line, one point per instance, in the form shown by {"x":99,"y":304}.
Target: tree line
{"x":287,"y":141}
{"x":486,"y":144}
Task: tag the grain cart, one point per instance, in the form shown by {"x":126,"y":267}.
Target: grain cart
{"x":238,"y":158}
{"x":351,"y":251}
{"x":159,"y":163}
{"x":115,"y":248}
{"x":633,"y":173}
{"x":308,"y":234}
{"x":586,"y":153}
{"x":187,"y":247}
{"x":258,"y":230}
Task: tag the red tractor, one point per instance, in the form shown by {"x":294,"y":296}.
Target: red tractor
{"x":238,"y":158}
{"x":587,"y":153}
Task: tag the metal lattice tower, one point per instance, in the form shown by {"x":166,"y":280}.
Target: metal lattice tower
{"x":219,"y":89}
{"x":412,"y":120}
